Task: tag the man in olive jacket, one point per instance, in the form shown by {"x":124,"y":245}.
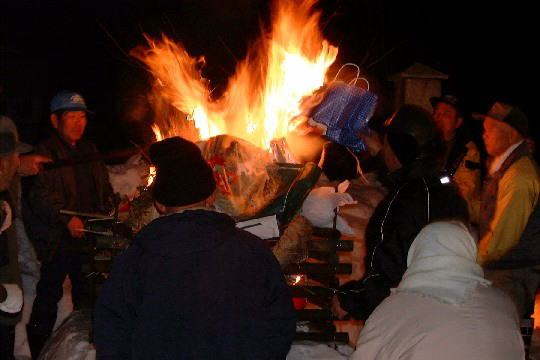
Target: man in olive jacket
{"x":509,"y":246}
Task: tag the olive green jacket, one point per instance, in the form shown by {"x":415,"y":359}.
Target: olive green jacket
{"x":506,"y":211}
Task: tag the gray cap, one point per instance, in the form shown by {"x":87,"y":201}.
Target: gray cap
{"x":512,"y":115}
{"x":9,"y":138}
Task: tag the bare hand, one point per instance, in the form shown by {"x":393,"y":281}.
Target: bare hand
{"x":32,"y":164}
{"x":338,"y":312}
{"x":74,"y":226}
{"x":373,"y":142}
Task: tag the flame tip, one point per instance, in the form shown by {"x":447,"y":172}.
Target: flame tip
{"x":264,"y":93}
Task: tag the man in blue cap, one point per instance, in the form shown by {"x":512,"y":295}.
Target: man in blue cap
{"x":58,"y":238}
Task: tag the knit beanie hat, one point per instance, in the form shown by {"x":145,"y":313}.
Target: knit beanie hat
{"x":404,"y":147}
{"x":411,"y":133}
{"x":183,"y":177}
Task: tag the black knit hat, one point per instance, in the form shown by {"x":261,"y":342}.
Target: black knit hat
{"x":183,"y":177}
{"x":411,"y":133}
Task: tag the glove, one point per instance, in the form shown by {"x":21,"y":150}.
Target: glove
{"x":319,"y":205}
{"x":14,"y":300}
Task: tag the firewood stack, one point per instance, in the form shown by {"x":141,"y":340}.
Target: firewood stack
{"x":315,"y":284}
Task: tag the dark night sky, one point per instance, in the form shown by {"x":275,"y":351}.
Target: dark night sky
{"x":50,"y":45}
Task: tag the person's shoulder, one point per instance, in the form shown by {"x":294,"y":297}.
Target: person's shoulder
{"x":522,"y":174}
{"x":257,"y":248}
{"x":389,"y":314}
{"x":154,"y":227}
{"x":430,"y":181}
{"x":494,"y":298}
{"x":47,"y":144}
{"x":86,"y":145}
{"x":255,"y":243}
{"x":525,"y":166}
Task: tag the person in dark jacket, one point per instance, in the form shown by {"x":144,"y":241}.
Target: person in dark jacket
{"x":192,"y":285}
{"x":419,"y":194}
{"x":12,"y":164}
{"x":461,"y":158}
{"x":58,"y":238}
{"x":11,"y":297}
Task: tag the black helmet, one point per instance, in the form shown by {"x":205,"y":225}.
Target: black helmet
{"x":411,"y":133}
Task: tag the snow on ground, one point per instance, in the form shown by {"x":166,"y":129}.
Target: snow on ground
{"x":71,"y":341}
{"x":315,"y":351}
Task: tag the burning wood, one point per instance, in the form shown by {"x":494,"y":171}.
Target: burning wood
{"x":288,"y":63}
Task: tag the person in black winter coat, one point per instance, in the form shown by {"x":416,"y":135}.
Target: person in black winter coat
{"x":192,"y":285}
{"x":419,"y":193}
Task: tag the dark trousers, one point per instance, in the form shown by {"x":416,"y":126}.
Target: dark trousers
{"x":7,"y":341}
{"x":66,"y":261}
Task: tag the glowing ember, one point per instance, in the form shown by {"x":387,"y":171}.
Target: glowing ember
{"x":152,"y":170}
{"x":151,"y":175}
{"x":286,"y":64}
{"x":297,"y":279}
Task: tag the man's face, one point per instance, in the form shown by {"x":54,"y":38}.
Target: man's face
{"x":8,"y":168}
{"x":498,"y":136}
{"x":70,"y":126}
{"x":447,"y":120}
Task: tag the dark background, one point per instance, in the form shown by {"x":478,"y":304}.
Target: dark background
{"x":47,"y":46}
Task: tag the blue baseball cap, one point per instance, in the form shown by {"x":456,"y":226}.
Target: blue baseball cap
{"x":68,"y":101}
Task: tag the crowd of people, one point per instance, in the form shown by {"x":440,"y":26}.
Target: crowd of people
{"x":452,"y":259}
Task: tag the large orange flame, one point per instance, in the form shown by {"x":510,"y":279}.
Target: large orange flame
{"x":265,"y":92}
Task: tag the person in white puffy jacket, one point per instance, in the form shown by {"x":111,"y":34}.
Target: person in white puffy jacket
{"x":443,"y":308}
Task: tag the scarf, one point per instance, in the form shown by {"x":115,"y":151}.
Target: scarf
{"x":441,"y":264}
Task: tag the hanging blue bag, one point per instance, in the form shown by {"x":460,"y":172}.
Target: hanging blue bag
{"x":345,"y":111}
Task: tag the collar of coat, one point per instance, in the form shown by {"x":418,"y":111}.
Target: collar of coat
{"x":514,"y":156}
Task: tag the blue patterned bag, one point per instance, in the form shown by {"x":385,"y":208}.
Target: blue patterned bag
{"x":345,"y":111}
